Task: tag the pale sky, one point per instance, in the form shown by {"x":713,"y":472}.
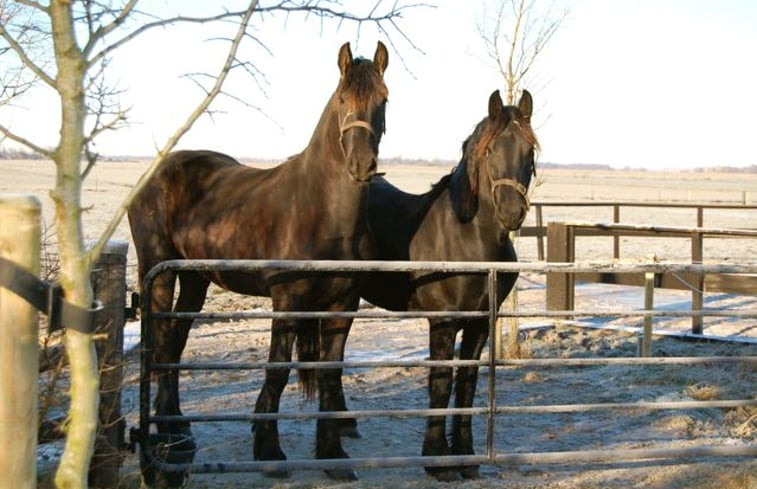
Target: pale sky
{"x":658,"y":84}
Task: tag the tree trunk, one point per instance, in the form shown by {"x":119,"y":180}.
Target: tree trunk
{"x":80,"y":347}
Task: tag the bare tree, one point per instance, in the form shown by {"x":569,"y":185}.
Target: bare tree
{"x":65,"y":46}
{"x":515,"y":33}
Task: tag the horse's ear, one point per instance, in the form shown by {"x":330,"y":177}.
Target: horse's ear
{"x":345,"y":58}
{"x":526,"y":105}
{"x":381,"y":58}
{"x":495,"y":106}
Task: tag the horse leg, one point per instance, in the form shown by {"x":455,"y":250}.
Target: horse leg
{"x":347,"y":426}
{"x":266,"y":433}
{"x":170,"y":340}
{"x":442,"y":346}
{"x":164,"y":350}
{"x":474,"y":338}
{"x":331,"y":396}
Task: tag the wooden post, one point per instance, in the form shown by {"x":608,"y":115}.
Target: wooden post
{"x":616,"y":238}
{"x":19,"y":349}
{"x":109,"y":286}
{"x":539,"y":233}
{"x":697,"y":291}
{"x":560,"y":248}
{"x":645,"y":345}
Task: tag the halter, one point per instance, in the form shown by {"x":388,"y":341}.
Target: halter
{"x":505,"y":182}
{"x":345,"y":126}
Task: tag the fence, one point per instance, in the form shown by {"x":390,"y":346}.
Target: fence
{"x":21,"y":293}
{"x":492,"y":455}
{"x":561,"y":239}
{"x":539,"y":230}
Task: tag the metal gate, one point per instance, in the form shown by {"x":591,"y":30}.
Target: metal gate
{"x":492,"y":456}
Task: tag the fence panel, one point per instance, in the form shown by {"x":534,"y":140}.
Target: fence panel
{"x":492,"y":456}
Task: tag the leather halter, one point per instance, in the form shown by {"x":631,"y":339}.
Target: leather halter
{"x":356,"y":123}
{"x":519,"y":188}
{"x":345,"y":126}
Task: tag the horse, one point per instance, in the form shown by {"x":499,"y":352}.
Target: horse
{"x":204,"y":204}
{"x":466,"y":216}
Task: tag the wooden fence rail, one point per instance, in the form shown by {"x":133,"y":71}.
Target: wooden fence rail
{"x":561,"y":241}
{"x":539,"y":231}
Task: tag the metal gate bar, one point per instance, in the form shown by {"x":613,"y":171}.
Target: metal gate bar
{"x":415,"y":413}
{"x":740,"y":313}
{"x":490,"y":268}
{"x":535,"y":458}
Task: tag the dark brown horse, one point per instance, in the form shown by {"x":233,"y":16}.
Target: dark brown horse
{"x":203,"y":204}
{"x":466,"y":216}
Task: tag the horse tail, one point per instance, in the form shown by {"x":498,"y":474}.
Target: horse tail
{"x":308,"y":350}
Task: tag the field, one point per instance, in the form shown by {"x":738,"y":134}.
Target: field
{"x":406,"y":387}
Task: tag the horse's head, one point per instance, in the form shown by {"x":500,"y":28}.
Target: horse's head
{"x":360,"y":105}
{"x":499,"y":162}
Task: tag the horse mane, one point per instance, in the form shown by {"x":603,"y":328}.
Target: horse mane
{"x":360,"y":84}
{"x":438,"y":187}
{"x":464,"y":191}
{"x":484,"y":133}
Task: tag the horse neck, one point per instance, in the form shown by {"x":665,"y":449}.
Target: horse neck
{"x":324,"y":150}
{"x":323,"y":164}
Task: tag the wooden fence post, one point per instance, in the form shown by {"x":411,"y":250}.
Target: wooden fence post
{"x":560,"y":248}
{"x":109,"y":285}
{"x":616,"y":238}
{"x":19,"y":349}
{"x":697,"y":291}
{"x":539,"y":236}
{"x":645,"y":343}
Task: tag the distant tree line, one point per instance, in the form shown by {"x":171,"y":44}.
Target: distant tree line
{"x":728,"y":169}
{"x":19,"y":154}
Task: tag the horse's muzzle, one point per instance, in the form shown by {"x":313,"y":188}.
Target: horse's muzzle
{"x":362,"y":171}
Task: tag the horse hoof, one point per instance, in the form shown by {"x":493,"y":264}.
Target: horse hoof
{"x":470,"y":472}
{"x":442,"y":474}
{"x":342,"y":474}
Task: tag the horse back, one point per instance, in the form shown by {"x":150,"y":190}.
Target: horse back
{"x":425,"y":228}
{"x":203,"y":204}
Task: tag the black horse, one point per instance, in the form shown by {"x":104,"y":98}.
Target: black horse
{"x":202,"y":204}
{"x":466,"y":216}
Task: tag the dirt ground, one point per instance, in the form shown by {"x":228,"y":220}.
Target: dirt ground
{"x":405,"y":388}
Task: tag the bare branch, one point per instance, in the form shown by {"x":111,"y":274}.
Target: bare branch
{"x":308,"y":7}
{"x":530,"y":31}
{"x":17,"y":46}
{"x":100,"y":33}
{"x":160,"y":23}
{"x":29,"y":144}
{"x":171,"y":143}
{"x":33,"y":4}
{"x":91,"y":158}
{"x":103,"y":102}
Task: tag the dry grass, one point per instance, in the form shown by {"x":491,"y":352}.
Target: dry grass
{"x":703,"y":392}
